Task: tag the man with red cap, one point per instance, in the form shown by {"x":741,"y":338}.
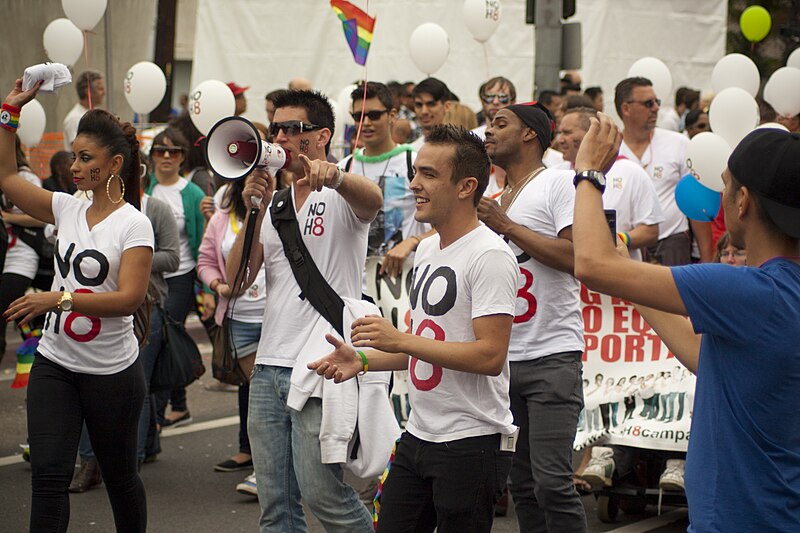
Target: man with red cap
{"x":743,"y":341}
{"x":239,"y":98}
{"x":534,"y":215}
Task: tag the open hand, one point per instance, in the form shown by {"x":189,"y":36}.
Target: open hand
{"x":31,"y":305}
{"x":341,"y":364}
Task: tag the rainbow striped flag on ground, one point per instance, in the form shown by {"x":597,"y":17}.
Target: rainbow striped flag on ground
{"x":357,"y":27}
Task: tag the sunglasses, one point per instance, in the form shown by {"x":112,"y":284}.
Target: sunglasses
{"x":504,"y":98}
{"x":292,"y":127}
{"x":372,"y":115}
{"x":161,"y":150}
{"x":647,"y":103}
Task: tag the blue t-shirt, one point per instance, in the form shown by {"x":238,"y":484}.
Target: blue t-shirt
{"x":743,"y":464}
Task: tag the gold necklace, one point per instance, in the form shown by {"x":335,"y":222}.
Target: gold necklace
{"x":517,"y":189}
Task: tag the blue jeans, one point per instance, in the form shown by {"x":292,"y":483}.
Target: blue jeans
{"x":244,"y":337}
{"x":288,"y":464}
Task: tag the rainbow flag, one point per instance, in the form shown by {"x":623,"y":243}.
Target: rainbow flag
{"x":25,"y":356}
{"x":357,"y":27}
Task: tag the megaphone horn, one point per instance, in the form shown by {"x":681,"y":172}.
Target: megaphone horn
{"x":234,"y":148}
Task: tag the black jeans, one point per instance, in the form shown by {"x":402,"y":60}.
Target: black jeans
{"x":59,"y":401}
{"x":451,"y":486}
{"x":12,"y":286}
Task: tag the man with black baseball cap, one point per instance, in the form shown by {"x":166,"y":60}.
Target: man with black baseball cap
{"x":534,"y":214}
{"x":743,"y":341}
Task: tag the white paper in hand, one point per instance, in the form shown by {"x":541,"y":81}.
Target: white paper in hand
{"x":55,"y":76}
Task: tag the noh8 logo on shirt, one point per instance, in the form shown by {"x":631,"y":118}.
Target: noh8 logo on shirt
{"x":436,"y":292}
{"x":315,"y":220}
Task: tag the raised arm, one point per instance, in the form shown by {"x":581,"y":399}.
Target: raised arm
{"x":33,"y":200}
{"x":597,"y":263}
{"x":677,"y":333}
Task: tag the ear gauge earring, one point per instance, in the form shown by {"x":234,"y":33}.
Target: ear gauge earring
{"x":108,"y":191}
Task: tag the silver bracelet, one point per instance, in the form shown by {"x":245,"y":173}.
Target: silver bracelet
{"x":339,"y":179}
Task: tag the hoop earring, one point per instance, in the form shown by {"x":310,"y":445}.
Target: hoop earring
{"x":108,"y":192}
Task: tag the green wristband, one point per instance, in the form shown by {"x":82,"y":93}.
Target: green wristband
{"x":364,"y":361}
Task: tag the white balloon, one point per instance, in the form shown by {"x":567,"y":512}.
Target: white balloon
{"x":210,"y":102}
{"x":657,"y":72}
{"x":707,"y":156}
{"x":733,"y":114}
{"x":794,"y":59}
{"x":736,"y":70}
{"x":32,"y":121}
{"x":772,"y":126}
{"x":144,"y":86}
{"x":429,"y":47}
{"x":84,"y":13}
{"x":482,"y":17}
{"x":782,"y":91}
{"x":63,"y":42}
{"x":343,"y":106}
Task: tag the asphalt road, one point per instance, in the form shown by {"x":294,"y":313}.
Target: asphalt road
{"x":184,"y":494}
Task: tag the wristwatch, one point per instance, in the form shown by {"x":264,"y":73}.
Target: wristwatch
{"x":595,"y":177}
{"x":65,"y":302}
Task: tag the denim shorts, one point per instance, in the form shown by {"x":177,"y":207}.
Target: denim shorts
{"x":244,"y":337}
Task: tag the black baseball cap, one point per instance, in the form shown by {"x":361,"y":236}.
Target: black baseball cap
{"x":767,"y":162}
{"x":538,"y":118}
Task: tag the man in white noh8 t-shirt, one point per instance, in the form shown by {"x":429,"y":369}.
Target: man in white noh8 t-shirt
{"x":534,"y":214}
{"x":451,"y":463}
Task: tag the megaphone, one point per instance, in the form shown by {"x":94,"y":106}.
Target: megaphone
{"x":234,"y":148}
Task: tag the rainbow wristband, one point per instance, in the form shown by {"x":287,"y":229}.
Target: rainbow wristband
{"x":9,"y":117}
{"x":364,"y":361}
{"x":626,"y":238}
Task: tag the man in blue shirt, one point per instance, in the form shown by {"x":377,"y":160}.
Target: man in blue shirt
{"x":743,"y":342}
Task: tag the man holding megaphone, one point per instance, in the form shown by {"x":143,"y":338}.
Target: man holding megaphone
{"x":333,"y":210}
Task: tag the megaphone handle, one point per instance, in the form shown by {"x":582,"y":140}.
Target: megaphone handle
{"x":256,"y":202}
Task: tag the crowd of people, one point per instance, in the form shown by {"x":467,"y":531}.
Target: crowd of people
{"x":501,"y":215}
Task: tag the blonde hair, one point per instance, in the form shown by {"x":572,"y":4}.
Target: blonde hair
{"x":460,"y":115}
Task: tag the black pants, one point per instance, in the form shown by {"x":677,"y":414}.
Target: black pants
{"x":451,"y":486}
{"x":12,"y":286}
{"x":59,"y":400}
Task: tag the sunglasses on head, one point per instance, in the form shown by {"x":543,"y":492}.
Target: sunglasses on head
{"x":373,"y":115}
{"x":292,"y":127}
{"x":647,"y":103}
{"x":160,"y":150}
{"x":503,"y":97}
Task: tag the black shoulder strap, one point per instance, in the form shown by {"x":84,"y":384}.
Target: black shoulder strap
{"x":409,"y":166}
{"x":349,"y":163}
{"x":313,"y":285}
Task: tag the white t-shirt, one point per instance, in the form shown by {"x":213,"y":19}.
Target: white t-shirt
{"x":548,"y":316}
{"x":473,"y":277}
{"x":399,"y":204}
{"x":337,"y":241}
{"x":171,"y":194}
{"x":248,"y":307}
{"x":417,"y":144}
{"x":88,"y":261}
{"x":665,"y":162}
{"x":631,"y":193}
{"x":21,"y":259}
{"x":480,"y":131}
{"x":71,"y":124}
{"x":552,"y":158}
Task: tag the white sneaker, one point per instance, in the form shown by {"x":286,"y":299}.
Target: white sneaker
{"x":248,"y":486}
{"x":600,"y":469}
{"x":672,"y":477}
